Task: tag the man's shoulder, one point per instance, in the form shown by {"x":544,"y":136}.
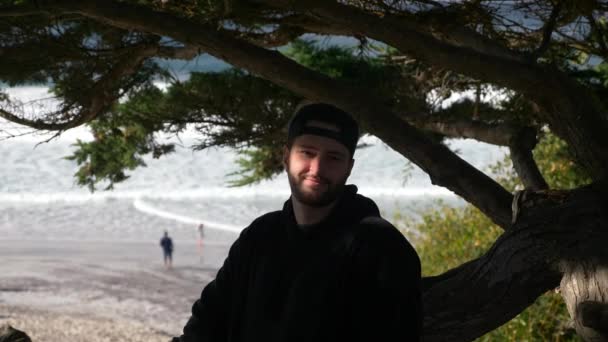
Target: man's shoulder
{"x":265,"y":224}
{"x":380,"y":233}
{"x":377,"y":225}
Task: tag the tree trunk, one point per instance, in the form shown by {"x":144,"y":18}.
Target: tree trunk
{"x":585,"y":290}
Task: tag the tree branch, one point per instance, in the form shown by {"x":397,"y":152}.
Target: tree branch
{"x":548,"y":30}
{"x":103,"y":94}
{"x":443,"y":166}
{"x":279,"y":37}
{"x":434,"y":33}
{"x":185,"y":53}
{"x":521,"y":146}
{"x":312,"y":25}
{"x":520,"y":140}
{"x":496,"y":134}
{"x":36,"y":124}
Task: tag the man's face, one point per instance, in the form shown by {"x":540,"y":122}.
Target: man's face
{"x":317,"y":168}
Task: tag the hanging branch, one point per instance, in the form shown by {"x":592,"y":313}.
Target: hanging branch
{"x":104,"y":93}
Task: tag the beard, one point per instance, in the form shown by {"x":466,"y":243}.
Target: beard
{"x":323,"y":196}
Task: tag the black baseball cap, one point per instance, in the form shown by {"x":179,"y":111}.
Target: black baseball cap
{"x":347,"y":132}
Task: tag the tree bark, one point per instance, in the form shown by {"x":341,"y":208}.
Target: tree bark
{"x":500,"y":134}
{"x":521,"y":145}
{"x":585,"y":290}
{"x":527,"y":170}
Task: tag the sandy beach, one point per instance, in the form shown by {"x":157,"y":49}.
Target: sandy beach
{"x":70,"y":290}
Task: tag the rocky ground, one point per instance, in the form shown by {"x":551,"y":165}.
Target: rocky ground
{"x":50,"y":326}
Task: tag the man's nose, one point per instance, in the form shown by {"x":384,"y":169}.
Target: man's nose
{"x":316,"y":165}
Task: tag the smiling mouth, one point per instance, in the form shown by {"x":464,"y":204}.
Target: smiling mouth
{"x":315,"y":181}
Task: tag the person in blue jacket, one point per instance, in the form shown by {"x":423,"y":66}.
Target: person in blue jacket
{"x":326,"y":267}
{"x":167,"y":245}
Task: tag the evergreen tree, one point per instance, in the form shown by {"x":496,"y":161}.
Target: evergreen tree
{"x":547,"y":58}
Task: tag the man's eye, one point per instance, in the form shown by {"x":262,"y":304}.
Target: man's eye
{"x":306,"y":153}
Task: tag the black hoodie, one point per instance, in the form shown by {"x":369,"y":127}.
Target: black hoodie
{"x":352,"y":277}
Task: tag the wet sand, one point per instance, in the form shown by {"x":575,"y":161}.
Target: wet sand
{"x":68,"y":290}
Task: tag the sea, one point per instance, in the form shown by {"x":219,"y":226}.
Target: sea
{"x":40,"y":200}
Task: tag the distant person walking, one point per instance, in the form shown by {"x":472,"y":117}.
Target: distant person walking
{"x":167,"y":244}
{"x":199,"y":240}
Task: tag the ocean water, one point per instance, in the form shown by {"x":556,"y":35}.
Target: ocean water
{"x":40,"y":200}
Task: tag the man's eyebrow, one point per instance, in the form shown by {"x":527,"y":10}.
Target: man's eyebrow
{"x":310,"y":147}
{"x":336,"y":152}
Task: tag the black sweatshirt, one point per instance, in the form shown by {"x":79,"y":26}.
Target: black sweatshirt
{"x":352,"y":277}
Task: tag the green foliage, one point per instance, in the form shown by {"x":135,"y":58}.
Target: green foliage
{"x":230,"y":108}
{"x":545,"y":320}
{"x":120,"y":141}
{"x":556,"y":164}
{"x":341,"y":63}
{"x":453,"y":236}
{"x":107,"y":157}
{"x":257,"y":164}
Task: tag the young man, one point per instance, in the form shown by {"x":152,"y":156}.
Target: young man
{"x":326,"y":267}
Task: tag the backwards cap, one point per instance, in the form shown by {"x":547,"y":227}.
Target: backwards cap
{"x":348,"y":129}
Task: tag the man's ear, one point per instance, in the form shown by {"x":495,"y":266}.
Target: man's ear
{"x":285,"y":156}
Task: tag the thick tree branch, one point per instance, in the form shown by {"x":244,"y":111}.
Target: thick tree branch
{"x":433,"y":35}
{"x":185,"y":53}
{"x":312,"y":25}
{"x":496,"y":134}
{"x":481,"y":295}
{"x":520,"y":140}
{"x":36,"y":124}
{"x":279,"y":37}
{"x":521,"y":146}
{"x":527,"y":170}
{"x":443,"y":166}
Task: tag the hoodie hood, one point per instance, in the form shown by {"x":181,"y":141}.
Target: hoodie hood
{"x":350,"y":209}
